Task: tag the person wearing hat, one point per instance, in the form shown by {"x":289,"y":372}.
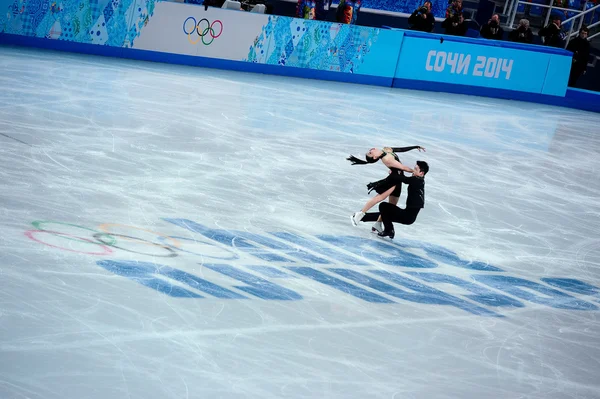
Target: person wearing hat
{"x":552,"y":35}
{"x":580,"y":47}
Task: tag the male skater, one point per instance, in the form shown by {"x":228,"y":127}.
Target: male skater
{"x":414,"y":201}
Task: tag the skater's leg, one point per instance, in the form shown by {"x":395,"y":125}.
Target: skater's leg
{"x":388,"y":213}
{"x":393,"y":200}
{"x":391,"y":214}
{"x":358,"y":216}
{"x":377,"y":199}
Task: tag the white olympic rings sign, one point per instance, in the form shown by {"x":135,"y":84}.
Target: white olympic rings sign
{"x":203,"y":28}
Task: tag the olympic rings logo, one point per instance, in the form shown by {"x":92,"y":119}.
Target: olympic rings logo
{"x":203,"y":29}
{"x":108,"y":237}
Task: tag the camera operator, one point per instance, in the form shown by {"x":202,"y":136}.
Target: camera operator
{"x":422,"y":19}
{"x":492,"y":29}
{"x":552,"y":34}
{"x":522,"y":34}
{"x":455,"y":25}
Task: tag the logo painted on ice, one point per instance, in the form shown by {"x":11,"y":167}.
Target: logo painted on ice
{"x":203,"y":30}
{"x":489,"y":67}
{"x":375,"y":270}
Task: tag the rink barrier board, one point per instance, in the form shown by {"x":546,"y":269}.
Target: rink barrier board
{"x":269,"y":40}
{"x":241,"y":66}
{"x":384,"y":57}
{"x":205,"y":62}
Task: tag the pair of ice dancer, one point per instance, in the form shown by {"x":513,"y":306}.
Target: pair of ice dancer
{"x":391,"y":187}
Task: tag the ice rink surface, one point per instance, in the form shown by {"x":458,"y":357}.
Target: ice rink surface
{"x":177,"y":232}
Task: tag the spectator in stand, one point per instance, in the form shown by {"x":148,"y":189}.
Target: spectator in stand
{"x":454,"y":8}
{"x":552,"y":35}
{"x":455,"y":25}
{"x":580,"y":46}
{"x":492,"y":29}
{"x":562,"y":14}
{"x":322,"y":7}
{"x":209,"y":3}
{"x":306,"y":9}
{"x":422,"y":19}
{"x":347,"y":11}
{"x":522,"y":34}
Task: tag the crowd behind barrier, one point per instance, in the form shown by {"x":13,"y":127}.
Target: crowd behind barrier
{"x":438,"y":8}
{"x":262,"y":42}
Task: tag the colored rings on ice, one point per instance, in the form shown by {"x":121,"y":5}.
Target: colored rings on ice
{"x":108,"y":237}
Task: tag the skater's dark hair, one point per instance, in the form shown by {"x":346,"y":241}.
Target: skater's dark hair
{"x":358,"y":161}
{"x":423,"y":166}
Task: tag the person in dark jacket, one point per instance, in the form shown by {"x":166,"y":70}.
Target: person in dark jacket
{"x":552,"y":35}
{"x":210,"y":3}
{"x":422,"y":19}
{"x":522,"y":34}
{"x":492,"y":29}
{"x":580,"y":46}
{"x":415,"y":201}
{"x":455,"y":25}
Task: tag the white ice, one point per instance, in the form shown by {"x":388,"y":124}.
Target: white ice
{"x":115,"y":145}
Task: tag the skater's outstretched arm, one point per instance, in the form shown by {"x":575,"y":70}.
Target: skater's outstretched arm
{"x":405,"y":149}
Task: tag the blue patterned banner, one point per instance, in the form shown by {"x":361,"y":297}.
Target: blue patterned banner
{"x":114,"y":23}
{"x":324,"y":46}
{"x":309,"y":44}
